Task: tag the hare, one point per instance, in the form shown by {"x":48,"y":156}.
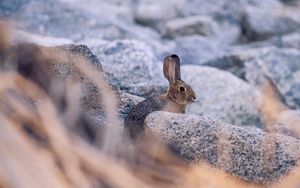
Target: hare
{"x":178,"y":96}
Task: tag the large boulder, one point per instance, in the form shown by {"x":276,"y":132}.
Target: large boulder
{"x":220,"y":30}
{"x":221,"y":95}
{"x":126,"y":103}
{"x":291,"y":40}
{"x":283,"y":67}
{"x":253,"y":156}
{"x":62,"y":65}
{"x":222,"y":8}
{"x":61,"y":19}
{"x":90,"y":97}
{"x":260,"y":24}
{"x":197,"y":49}
{"x":8,"y":7}
{"x":134,"y":63}
{"x":155,"y":13}
{"x":21,"y":36}
{"x":280,"y":64}
{"x":79,"y":21}
{"x":234,"y":60}
{"x":195,"y":25}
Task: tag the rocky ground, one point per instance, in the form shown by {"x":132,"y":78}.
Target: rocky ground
{"x":225,"y":45}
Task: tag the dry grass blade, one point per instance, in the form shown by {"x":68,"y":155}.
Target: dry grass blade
{"x":276,"y":116}
{"x":21,"y":165}
{"x":109,"y":104}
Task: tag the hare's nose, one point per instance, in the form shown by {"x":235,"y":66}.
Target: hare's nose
{"x":193,"y":99}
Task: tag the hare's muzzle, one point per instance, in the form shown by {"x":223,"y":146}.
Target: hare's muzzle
{"x":192,"y":99}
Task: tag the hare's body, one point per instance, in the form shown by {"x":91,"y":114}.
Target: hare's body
{"x":175,"y":100}
{"x":134,"y":122}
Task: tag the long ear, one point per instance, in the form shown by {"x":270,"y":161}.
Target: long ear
{"x":172,"y":68}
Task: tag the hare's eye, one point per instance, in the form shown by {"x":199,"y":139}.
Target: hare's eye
{"x":181,"y":88}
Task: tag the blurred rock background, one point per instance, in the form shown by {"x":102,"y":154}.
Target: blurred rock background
{"x":224,"y":45}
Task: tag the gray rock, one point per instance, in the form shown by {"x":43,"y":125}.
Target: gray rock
{"x":282,"y":65}
{"x":234,"y":60}
{"x":221,"y":95}
{"x":233,"y":63}
{"x":195,"y":25}
{"x":154,"y":13}
{"x":65,"y":68}
{"x":20,"y":36}
{"x":127,"y":102}
{"x":91,"y":100}
{"x":229,"y":32}
{"x":220,"y":30}
{"x":8,"y":7}
{"x":230,"y":12}
{"x":253,"y":156}
{"x":291,"y":2}
{"x":197,"y":50}
{"x":85,"y":52}
{"x":291,"y":40}
{"x":223,"y":8}
{"x":134,"y":63}
{"x":60,"y":19}
{"x":260,"y":24}
{"x":78,"y":22}
{"x":286,"y":41}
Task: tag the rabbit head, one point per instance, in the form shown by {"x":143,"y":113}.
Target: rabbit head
{"x":178,"y":91}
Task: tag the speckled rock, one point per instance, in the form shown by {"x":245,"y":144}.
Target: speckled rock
{"x":221,"y":95}
{"x":282,"y":65}
{"x":261,"y":24}
{"x":254,"y":156}
{"x":63,"y":19}
{"x":220,"y":30}
{"x":154,"y":13}
{"x":8,"y":7}
{"x":200,"y":25}
{"x":62,"y":66}
{"x":91,"y":100}
{"x":79,"y":21}
{"x":291,"y":40}
{"x":21,"y":36}
{"x":229,"y":32}
{"x":127,"y":102}
{"x":134,"y":63}
{"x":67,"y":69}
{"x":222,"y":8}
{"x":83,"y":51}
{"x":234,"y":60}
{"x":197,"y":50}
